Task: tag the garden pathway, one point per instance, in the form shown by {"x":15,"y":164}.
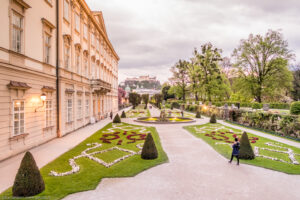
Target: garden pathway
{"x":45,"y":153}
{"x":195,"y":171}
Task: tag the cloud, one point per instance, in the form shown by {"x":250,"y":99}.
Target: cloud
{"x":151,"y":36}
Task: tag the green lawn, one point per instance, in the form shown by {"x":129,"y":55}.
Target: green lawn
{"x":139,"y":111}
{"x":220,"y":138}
{"x":91,"y":172}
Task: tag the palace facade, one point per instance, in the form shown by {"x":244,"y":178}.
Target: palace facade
{"x":58,"y":71}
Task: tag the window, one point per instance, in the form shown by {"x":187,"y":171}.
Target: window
{"x":77,"y":22}
{"x":67,"y":56}
{"x":78,"y":68}
{"x":79,"y":108}
{"x":85,"y":31}
{"x":17,"y":32}
{"x":86,"y":68}
{"x":87,"y":107}
{"x":48,"y":113}
{"x":97,"y":44}
{"x":47,"y":48}
{"x":98,"y":72}
{"x":93,"y":69}
{"x":70,"y":109}
{"x":66,"y":10}
{"x":92,"y":39}
{"x":18,"y":116}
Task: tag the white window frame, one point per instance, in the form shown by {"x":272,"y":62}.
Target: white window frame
{"x":48,"y":112}
{"x":86,"y":67}
{"x":87,"y":107}
{"x":78,"y":67}
{"x":67,"y":56}
{"x":77,"y":22}
{"x":17,"y":29}
{"x":79,"y":108}
{"x":18,"y":112}
{"x":47,"y":46}
{"x":85,"y":31}
{"x":66,"y":10}
{"x":69,"y":109}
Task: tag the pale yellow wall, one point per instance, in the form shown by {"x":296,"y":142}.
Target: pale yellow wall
{"x":27,"y":67}
{"x":31,"y":69}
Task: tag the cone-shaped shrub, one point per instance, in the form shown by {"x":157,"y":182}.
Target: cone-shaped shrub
{"x":123,"y":115}
{"x":149,"y":150}
{"x":117,"y":119}
{"x":213,"y":119}
{"x":246,"y":151}
{"x":198,"y":114}
{"x":28,"y":181}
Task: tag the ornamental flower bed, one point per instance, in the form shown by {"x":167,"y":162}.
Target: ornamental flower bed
{"x":268,"y":153}
{"x":84,"y":166}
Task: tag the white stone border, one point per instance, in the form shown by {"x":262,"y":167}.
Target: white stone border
{"x":76,"y":168}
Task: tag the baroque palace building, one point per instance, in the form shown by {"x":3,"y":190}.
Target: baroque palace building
{"x":58,"y":71}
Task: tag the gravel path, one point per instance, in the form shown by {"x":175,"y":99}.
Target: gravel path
{"x":195,"y":171}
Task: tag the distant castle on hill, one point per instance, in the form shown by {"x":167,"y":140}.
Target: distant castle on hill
{"x":141,"y":82}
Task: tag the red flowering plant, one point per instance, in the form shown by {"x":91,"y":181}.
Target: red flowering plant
{"x":223,"y":136}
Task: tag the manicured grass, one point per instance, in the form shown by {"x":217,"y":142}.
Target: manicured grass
{"x":139,"y":111}
{"x":91,"y":172}
{"x":205,"y":132}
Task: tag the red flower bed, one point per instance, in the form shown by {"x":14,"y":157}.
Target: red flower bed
{"x":133,"y":137}
{"x":221,"y":136}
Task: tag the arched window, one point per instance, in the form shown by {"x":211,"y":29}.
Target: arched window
{"x":67,"y":51}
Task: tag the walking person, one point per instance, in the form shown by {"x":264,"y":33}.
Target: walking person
{"x":111,"y":114}
{"x":235,"y":151}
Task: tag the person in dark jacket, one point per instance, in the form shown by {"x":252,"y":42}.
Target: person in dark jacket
{"x":235,"y":151}
{"x":111,"y":115}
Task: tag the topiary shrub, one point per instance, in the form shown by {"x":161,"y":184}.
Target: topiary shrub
{"x":246,"y":151}
{"x":149,"y":150}
{"x":213,"y":119}
{"x":198,"y":114}
{"x":117,"y":119}
{"x":123,"y":115}
{"x":28,"y":181}
{"x":295,"y":108}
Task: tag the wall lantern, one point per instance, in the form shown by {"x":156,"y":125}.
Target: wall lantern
{"x":43,"y":98}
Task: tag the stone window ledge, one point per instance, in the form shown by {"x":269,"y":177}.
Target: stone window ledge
{"x":17,"y":137}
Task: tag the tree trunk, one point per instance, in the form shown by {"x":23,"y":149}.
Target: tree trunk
{"x":196,"y":96}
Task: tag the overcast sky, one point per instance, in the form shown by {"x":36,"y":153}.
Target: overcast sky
{"x":150,"y":36}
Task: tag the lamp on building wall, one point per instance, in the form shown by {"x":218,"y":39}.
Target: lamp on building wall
{"x":43,"y":98}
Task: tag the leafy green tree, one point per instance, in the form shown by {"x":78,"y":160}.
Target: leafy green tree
{"x":262,"y":63}
{"x":296,"y":83}
{"x":212,"y":82}
{"x":134,"y":99}
{"x":165,"y":92}
{"x":158,"y":99}
{"x":145,"y":98}
{"x":194,"y":78}
{"x":180,"y":76}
